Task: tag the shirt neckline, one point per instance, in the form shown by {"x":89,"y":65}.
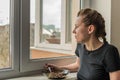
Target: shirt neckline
{"x":95,"y":49}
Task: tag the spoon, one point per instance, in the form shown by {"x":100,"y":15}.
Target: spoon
{"x":49,"y":69}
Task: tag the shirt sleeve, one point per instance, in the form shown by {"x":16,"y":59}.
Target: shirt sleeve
{"x":112,"y":59}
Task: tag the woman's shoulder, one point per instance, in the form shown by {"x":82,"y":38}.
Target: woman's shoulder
{"x":111,"y":49}
{"x":110,"y":46}
{"x":112,"y":59}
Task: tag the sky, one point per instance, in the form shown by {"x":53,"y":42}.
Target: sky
{"x":4,"y":11}
{"x":51,"y":12}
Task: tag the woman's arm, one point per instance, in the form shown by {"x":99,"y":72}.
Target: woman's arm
{"x":115,"y":75}
{"x":72,"y":67}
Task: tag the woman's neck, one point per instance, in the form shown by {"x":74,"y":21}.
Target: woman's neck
{"x":93,"y":44}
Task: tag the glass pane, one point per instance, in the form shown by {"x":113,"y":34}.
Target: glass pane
{"x":5,"y":57}
{"x":51,"y":24}
{"x":47,"y":12}
{"x":32,"y":22}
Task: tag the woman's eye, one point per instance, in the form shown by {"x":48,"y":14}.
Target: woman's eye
{"x":76,"y":26}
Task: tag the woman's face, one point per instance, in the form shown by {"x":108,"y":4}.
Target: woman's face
{"x":80,"y":31}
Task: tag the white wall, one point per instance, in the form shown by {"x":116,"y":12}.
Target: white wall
{"x":104,"y":7}
{"x":115,"y":23}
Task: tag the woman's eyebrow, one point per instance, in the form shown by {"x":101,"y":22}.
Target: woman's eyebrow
{"x":77,"y":25}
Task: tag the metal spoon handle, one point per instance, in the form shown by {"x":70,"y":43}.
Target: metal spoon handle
{"x":49,"y":69}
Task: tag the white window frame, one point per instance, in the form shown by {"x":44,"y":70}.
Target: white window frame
{"x":64,"y":32}
{"x":14,"y":41}
{"x":85,"y":4}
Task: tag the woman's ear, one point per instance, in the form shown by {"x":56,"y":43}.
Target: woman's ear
{"x":91,"y":29}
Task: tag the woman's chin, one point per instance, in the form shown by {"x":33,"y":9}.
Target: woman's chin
{"x":78,"y":41}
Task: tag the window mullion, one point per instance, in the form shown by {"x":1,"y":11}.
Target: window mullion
{"x":38,"y":22}
{"x":84,"y":4}
{"x":68,"y":30}
{"x":63,"y":21}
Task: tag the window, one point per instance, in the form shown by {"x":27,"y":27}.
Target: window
{"x":9,"y":37}
{"x":50,"y":28}
{"x":51,"y":22}
{"x":5,"y":57}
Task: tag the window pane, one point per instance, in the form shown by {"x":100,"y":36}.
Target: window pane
{"x":5,"y":57}
{"x":32,"y":22}
{"x":47,"y":13}
{"x":51,"y":25}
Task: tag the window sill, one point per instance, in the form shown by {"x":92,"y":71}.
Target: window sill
{"x":70,"y":76}
{"x":63,"y":47}
{"x":37,"y":54}
{"x":53,"y":50}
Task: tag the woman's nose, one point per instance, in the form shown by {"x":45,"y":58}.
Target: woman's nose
{"x":74,"y":31}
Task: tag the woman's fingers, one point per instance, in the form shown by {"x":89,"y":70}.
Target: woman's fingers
{"x":49,"y":65}
{"x":52,"y":66}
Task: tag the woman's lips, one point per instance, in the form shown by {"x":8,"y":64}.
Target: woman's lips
{"x":75,"y":37}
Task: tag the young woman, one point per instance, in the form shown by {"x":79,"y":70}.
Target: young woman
{"x":96,"y":58}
